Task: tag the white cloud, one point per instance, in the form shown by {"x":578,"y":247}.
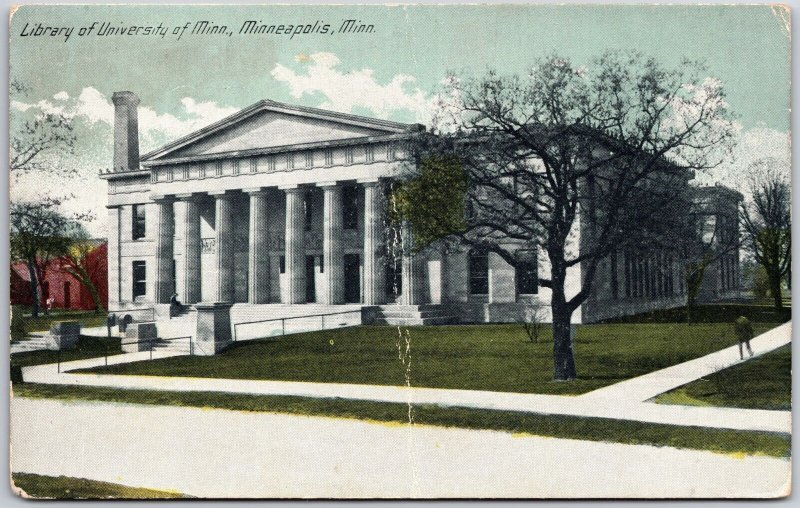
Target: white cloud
{"x":93,"y":120}
{"x":752,"y":144}
{"x":346,"y":91}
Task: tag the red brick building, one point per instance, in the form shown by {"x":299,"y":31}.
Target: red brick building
{"x":67,"y":292}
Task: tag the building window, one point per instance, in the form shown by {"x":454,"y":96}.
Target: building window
{"x":282,"y":264}
{"x":478,"y":273}
{"x":67,"y":299}
{"x":527,"y":273}
{"x":139,"y":223}
{"x":308,"y":209}
{"x":350,"y":207}
{"x":370,"y":153}
{"x":348,"y":156}
{"x":139,"y":279}
{"x":328,"y":157}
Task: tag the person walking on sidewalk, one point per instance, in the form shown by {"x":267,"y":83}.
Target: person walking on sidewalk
{"x":744,"y":332}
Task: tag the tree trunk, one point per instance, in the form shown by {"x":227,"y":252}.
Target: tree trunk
{"x":563,"y":352}
{"x":775,"y":289}
{"x":95,"y":297}
{"x":34,"y":290}
{"x":691,"y":300}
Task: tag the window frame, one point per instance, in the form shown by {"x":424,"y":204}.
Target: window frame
{"x":138,"y":284}
{"x":478,"y":280}
{"x":138,"y":221}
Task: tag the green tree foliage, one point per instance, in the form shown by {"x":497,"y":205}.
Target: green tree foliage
{"x":432,"y":215}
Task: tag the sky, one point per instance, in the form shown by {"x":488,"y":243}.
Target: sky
{"x":188,"y":82}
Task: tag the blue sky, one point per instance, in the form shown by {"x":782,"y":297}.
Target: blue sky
{"x":392,"y":73}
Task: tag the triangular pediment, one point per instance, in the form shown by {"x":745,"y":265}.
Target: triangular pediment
{"x":269,"y":125}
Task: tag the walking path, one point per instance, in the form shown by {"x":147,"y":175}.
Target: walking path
{"x":233,"y":454}
{"x":626,"y":400}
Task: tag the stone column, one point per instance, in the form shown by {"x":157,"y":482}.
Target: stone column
{"x":373,"y":276}
{"x":295,"y":245}
{"x":332,"y":248}
{"x":409,"y":294}
{"x":258,"y":254}
{"x":191,"y":250}
{"x":165,"y":235}
{"x":223,"y":235}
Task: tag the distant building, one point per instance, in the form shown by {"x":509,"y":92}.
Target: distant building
{"x":65,"y":290}
{"x":283,"y":205}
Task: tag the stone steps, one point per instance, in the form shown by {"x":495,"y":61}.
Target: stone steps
{"x":413,"y":315}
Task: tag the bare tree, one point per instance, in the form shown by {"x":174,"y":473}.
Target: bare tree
{"x":38,"y":234}
{"x":36,"y":136}
{"x":766,"y":223}
{"x":576,"y":162}
{"x":82,"y":262}
{"x":710,"y":233}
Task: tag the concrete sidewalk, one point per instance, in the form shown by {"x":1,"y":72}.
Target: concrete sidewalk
{"x":624,"y":403}
{"x":232,"y":454}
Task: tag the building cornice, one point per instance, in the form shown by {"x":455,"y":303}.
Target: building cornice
{"x":236,"y":154}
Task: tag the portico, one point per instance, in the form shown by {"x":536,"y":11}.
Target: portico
{"x":273,"y":244}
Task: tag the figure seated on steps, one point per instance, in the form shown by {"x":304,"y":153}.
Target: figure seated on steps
{"x":175,"y":307}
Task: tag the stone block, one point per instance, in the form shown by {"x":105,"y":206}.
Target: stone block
{"x":213,"y":328}
{"x":63,"y":335}
{"x":139,"y":337}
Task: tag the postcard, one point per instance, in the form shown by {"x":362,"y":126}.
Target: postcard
{"x":400,"y":251}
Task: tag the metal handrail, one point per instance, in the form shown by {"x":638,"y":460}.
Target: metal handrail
{"x":284,"y":319}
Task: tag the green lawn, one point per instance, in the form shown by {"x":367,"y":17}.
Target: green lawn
{"x":87,"y":318}
{"x":592,"y":429}
{"x":762,"y":383}
{"x":64,"y":487}
{"x":495,"y":357}
{"x":87,"y":347}
{"x":723,"y":312}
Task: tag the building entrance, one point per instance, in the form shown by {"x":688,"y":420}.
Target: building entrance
{"x":352,"y":278}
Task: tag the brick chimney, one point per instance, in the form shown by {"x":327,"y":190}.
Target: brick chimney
{"x":126,"y":131}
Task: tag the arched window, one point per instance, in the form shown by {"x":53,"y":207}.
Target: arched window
{"x":478,"y":272}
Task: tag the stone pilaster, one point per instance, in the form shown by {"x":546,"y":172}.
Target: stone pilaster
{"x":114,"y":268}
{"x":191,"y":251}
{"x":258,"y":254}
{"x":165,"y":236}
{"x":373,"y":274}
{"x":332,"y":248}
{"x":223,"y":235}
{"x":295,"y":246}
{"x":409,"y":275}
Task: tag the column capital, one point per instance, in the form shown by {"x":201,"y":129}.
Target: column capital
{"x":221,"y":194}
{"x":368,"y":181}
{"x":290,"y":189}
{"x":159,"y":198}
{"x":255,"y":191}
{"x":189,"y":196}
{"x":327,"y":184}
